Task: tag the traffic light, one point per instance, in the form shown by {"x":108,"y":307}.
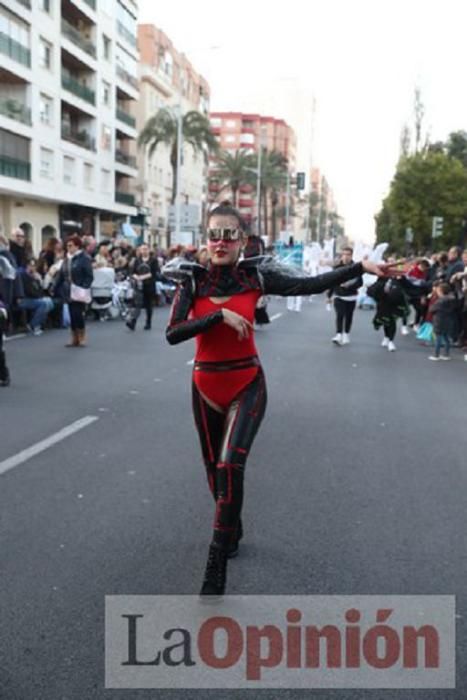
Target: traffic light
{"x":437,"y":228}
{"x":300,"y":181}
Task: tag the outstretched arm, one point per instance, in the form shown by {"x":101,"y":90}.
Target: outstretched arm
{"x":179,"y":327}
{"x":278,"y":280}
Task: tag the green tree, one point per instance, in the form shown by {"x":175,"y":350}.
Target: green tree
{"x":162,"y":128}
{"x":233,"y":171}
{"x":456,"y":146}
{"x":425,"y":185}
{"x":273,"y":180}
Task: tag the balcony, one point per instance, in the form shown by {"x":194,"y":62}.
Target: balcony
{"x":126,"y":118}
{"x":247,"y":203}
{"x":72,"y":85}
{"x":125,"y":198}
{"x":13,"y":109}
{"x":79,"y":138}
{"x":78,"y":39}
{"x":130,"y":79}
{"x":12,"y":167}
{"x":126,"y":34}
{"x":15,"y":50}
{"x":125,"y":158}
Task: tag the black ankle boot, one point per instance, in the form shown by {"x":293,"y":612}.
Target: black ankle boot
{"x":216,"y":572}
{"x":234,"y":548}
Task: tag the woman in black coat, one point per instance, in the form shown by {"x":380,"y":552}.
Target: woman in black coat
{"x":73,"y":285}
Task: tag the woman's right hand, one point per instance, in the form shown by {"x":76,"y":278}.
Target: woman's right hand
{"x":238,"y":323}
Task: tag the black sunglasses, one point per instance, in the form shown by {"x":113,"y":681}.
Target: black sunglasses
{"x":224,"y":234}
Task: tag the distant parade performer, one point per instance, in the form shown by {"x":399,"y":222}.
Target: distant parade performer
{"x":391,"y":304}
{"x":144,"y":272}
{"x":345,"y":298}
{"x":216,"y":306}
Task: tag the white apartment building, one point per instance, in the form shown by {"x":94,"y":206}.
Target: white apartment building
{"x":68,"y":85}
{"x":167,"y":79}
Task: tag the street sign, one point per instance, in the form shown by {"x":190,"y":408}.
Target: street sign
{"x":437,"y":227}
{"x":190,"y":216}
{"x":409,"y":235}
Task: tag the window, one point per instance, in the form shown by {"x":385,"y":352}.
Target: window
{"x":105,"y":181}
{"x":45,"y":54}
{"x":230,"y":138}
{"x":106,"y":94}
{"x":47,"y":163}
{"x":126,"y":24}
{"x":13,"y":27}
{"x":14,"y":146}
{"x":68,"y":170}
{"x":46,"y":109}
{"x":45,"y":6}
{"x":231,"y":123}
{"x":88,"y":176}
{"x":216,"y":122}
{"x":107,"y":47}
{"x":106,"y":138}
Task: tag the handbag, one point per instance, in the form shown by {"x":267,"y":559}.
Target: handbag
{"x":80,"y":294}
{"x":425,"y":332}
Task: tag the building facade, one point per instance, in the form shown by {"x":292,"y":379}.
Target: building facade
{"x":68,"y":85}
{"x":237,"y":130}
{"x":168,"y":80}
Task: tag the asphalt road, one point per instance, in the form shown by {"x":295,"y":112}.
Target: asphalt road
{"x":356,"y":484}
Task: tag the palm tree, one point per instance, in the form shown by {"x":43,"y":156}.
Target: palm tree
{"x":273,"y":179}
{"x":162,"y":128}
{"x":233,"y":171}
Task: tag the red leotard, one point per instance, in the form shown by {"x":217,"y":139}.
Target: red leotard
{"x":220,"y":343}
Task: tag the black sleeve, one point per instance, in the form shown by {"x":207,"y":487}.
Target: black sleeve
{"x":87,"y":272}
{"x":179,"y":327}
{"x":278,"y":280}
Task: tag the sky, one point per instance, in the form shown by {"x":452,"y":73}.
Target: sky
{"x":360,"y":60}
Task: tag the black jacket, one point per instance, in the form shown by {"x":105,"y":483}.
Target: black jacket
{"x":262,"y":273}
{"x":77,"y":270}
{"x":10,"y":290}
{"x":444,"y":311}
{"x":32,"y":286}
{"x":346,"y":289}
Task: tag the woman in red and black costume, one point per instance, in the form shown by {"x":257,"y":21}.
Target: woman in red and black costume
{"x":216,"y":305}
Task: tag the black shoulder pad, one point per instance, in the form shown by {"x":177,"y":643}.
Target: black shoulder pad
{"x":179,"y":269}
{"x":256,"y":261}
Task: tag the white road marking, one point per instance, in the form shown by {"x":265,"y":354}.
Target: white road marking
{"x":16,"y":337}
{"x":273,"y":318}
{"x":43,"y":445}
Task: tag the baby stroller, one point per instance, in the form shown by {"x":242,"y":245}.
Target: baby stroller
{"x":102,"y":292}
{"x":122,"y":294}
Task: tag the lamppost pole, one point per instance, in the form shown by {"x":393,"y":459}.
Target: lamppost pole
{"x":179,"y":170}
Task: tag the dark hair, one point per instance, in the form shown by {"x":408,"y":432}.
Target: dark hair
{"x":445,"y":287}
{"x":226,"y":209}
{"x":443,"y":258}
{"x":76,"y":240}
{"x":347,"y":249}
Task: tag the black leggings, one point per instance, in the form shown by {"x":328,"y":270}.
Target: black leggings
{"x":77,"y":315}
{"x":390,"y":328}
{"x":226,"y":440}
{"x":344,"y":314}
{"x":143,"y":300}
{"x":3,"y":367}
